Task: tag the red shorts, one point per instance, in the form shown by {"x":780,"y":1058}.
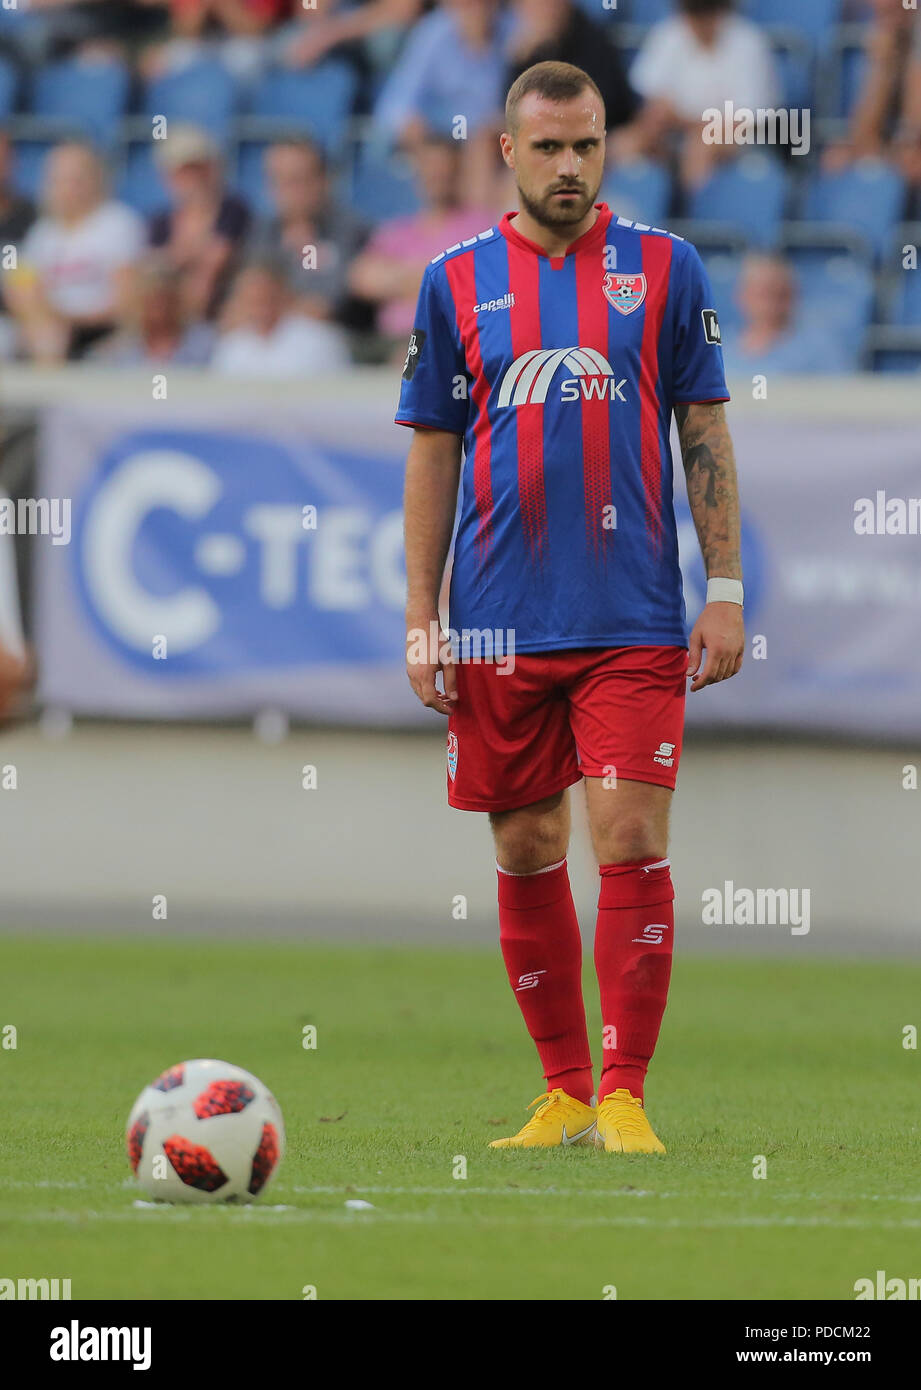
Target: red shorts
{"x":558,"y":716}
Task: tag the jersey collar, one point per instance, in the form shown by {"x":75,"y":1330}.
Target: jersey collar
{"x":594,"y":236}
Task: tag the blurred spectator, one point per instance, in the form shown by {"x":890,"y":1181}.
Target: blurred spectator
{"x":333,"y":24}
{"x":263,"y":336}
{"x":453,"y":65}
{"x":202,"y":231}
{"x":388,"y":271}
{"x":229,"y":31}
{"x":558,"y":30}
{"x":886,"y":121}
{"x":307,"y":219}
{"x":698,"y":59}
{"x":50,"y":29}
{"x":773,"y":336}
{"x":75,"y":262}
{"x":155,"y":331}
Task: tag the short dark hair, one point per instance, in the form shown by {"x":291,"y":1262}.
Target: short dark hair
{"x":555,"y":81}
{"x":698,"y":7}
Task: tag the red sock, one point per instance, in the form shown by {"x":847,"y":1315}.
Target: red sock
{"x":542,"y":948}
{"x":633,"y":958}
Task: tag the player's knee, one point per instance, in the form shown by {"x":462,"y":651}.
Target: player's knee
{"x":630,"y":839}
{"x":526,"y":842}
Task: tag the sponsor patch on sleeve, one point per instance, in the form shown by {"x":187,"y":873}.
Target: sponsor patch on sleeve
{"x":711,"y":326}
{"x":416,"y":341}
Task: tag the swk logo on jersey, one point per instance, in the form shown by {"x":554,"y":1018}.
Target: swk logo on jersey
{"x":528,"y":380}
{"x":625,"y":292}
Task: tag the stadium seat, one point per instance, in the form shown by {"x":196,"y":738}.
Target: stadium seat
{"x":816,"y":19}
{"x":839,"y":292}
{"x":9,"y":87}
{"x":248,"y":176}
{"x":843,"y":72}
{"x":893,"y":350}
{"x":138,"y":182}
{"x":29,"y":164}
{"x":204,"y":93}
{"x":723,"y":274}
{"x":382,"y":186}
{"x":318,"y":101}
{"x":869,"y":198}
{"x":749,"y":194}
{"x":636,"y":11}
{"x":905,"y":302}
{"x":796,"y":69}
{"x":640,"y":190}
{"x":93,"y":96}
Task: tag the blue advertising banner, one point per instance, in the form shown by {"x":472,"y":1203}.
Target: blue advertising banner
{"x":225,"y":560}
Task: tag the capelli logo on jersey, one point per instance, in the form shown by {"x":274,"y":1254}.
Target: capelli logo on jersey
{"x":528,"y":380}
{"x":489,"y":306}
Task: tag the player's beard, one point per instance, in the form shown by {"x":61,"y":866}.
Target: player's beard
{"x":549,"y":213}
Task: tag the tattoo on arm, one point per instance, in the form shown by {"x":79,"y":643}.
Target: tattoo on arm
{"x":709,"y":466}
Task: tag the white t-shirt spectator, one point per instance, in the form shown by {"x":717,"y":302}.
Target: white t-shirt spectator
{"x":296,"y":347}
{"x":672,"y":66}
{"x":76,"y":263}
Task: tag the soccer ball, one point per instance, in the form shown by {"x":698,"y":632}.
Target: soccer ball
{"x":205,"y":1131}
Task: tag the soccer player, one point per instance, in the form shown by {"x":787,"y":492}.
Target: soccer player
{"x":553,"y":349}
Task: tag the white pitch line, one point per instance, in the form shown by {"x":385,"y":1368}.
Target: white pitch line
{"x":236,"y":1215}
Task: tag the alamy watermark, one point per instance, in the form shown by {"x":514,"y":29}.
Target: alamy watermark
{"x":766,"y":125}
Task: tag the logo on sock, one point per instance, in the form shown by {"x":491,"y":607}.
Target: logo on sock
{"x":529,"y":979}
{"x":652,"y":935}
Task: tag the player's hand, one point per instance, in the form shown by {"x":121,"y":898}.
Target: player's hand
{"x":428,"y":651}
{"x":720,"y":631}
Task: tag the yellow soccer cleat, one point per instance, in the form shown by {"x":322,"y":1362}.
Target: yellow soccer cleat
{"x":559,"y":1119}
{"x":623,"y":1128}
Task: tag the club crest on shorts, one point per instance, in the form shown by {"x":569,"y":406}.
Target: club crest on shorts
{"x":625,"y":292}
{"x":452,"y":756}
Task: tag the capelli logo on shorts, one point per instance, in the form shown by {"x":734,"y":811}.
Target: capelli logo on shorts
{"x":663,"y":754}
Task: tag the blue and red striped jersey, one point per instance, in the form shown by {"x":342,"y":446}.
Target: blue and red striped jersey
{"x":561,"y":373}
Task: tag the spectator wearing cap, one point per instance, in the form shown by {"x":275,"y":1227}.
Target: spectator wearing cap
{"x":312,"y":235}
{"x":262,"y":335}
{"x":695,"y":61}
{"x":201,"y":232}
{"x":155,"y":332}
{"x":75,"y":262}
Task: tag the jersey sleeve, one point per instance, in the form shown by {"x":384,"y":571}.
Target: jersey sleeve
{"x":435,"y":379}
{"x":697,"y":354}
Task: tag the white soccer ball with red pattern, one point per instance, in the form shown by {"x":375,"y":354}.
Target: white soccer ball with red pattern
{"x":205,"y":1131}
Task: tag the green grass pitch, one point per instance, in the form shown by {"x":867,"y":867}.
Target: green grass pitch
{"x":422,"y":1057}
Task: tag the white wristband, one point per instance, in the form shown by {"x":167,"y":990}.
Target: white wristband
{"x":725,"y":591}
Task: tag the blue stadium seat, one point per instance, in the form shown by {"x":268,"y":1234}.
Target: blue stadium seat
{"x":816,"y":19}
{"x":844,"y":72}
{"x":839,"y":292}
{"x":248,"y":177}
{"x":905,"y":309}
{"x":749,"y":193}
{"x":204,"y":93}
{"x":638,"y":11}
{"x":9,"y":86}
{"x":138,"y":182}
{"x":793,"y":57}
{"x":318,"y":101}
{"x":640,"y":190}
{"x":382,"y":186}
{"x":869,"y":198}
{"x":893,"y":351}
{"x":723,"y":274}
{"x":93,"y":96}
